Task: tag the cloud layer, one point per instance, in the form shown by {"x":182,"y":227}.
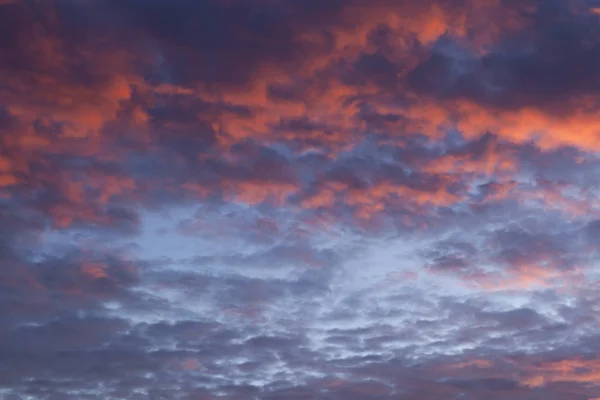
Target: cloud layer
{"x":278,"y":199}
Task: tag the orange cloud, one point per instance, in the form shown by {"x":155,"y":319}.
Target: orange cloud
{"x":374,"y":199}
{"x":247,"y":192}
{"x":568,"y":370}
{"x":329,"y":104}
{"x":254,"y":193}
{"x":527,"y":277}
{"x":490,"y":161}
{"x":94,"y":270}
{"x":7,"y":175}
{"x":578,"y":128}
{"x":85,"y":110}
{"x":326,"y":196}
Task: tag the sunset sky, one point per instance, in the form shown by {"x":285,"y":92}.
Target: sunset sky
{"x":299,"y":199}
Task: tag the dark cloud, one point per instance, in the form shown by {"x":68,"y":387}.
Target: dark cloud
{"x":545,"y":66}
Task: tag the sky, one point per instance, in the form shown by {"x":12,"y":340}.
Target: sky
{"x":299,"y":199}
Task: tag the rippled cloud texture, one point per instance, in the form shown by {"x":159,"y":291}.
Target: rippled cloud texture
{"x":300,"y":199}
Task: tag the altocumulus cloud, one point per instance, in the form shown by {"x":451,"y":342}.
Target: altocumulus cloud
{"x":278,"y":199}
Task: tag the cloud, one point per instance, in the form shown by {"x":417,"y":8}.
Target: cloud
{"x":277,"y":199}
